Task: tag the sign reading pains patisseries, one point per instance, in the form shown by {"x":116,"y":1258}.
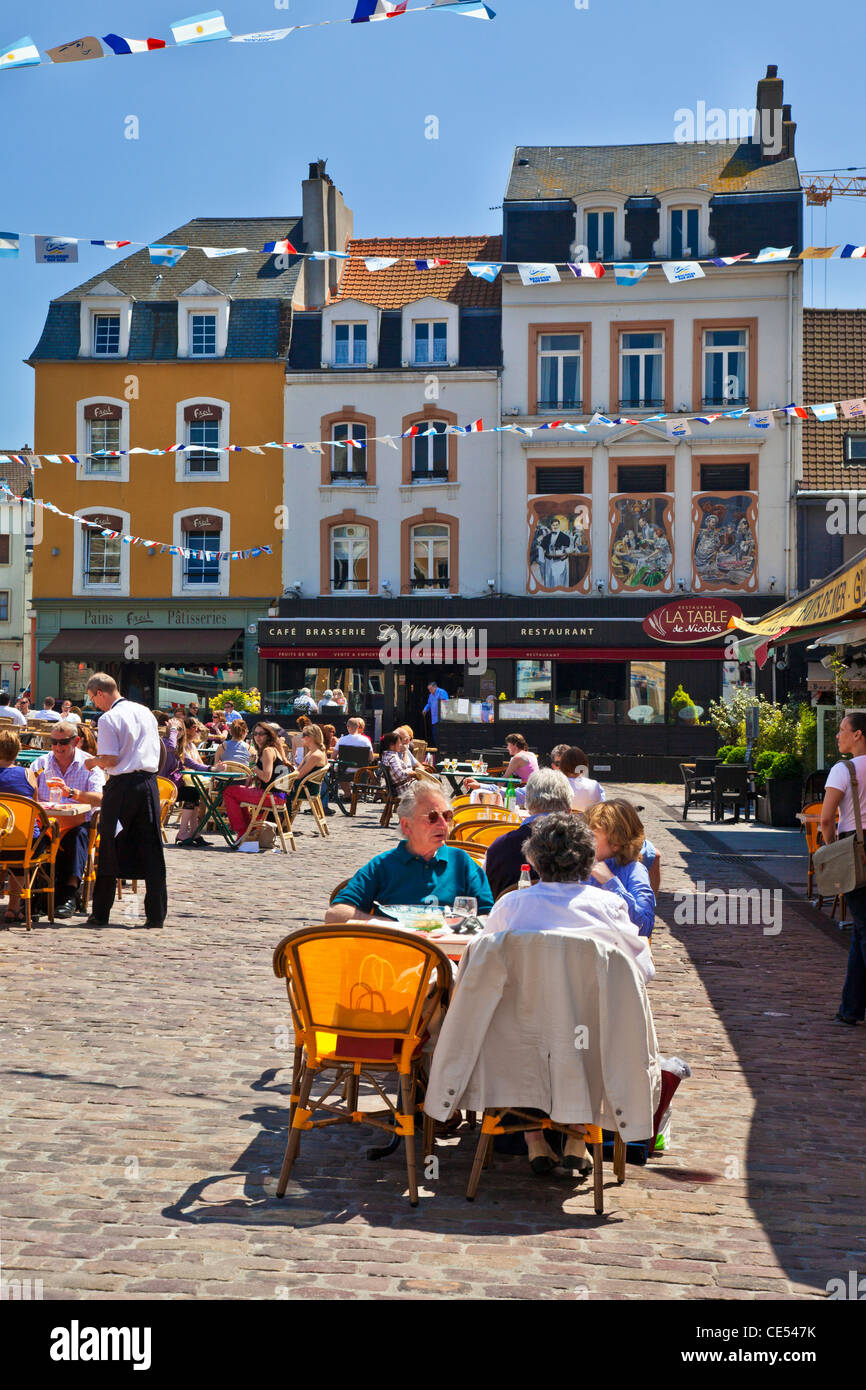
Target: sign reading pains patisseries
{"x":691,"y":620}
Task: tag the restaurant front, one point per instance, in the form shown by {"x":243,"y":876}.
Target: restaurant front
{"x":603,"y":679}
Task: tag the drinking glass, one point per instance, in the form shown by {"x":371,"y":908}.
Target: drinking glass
{"x":465,"y":907}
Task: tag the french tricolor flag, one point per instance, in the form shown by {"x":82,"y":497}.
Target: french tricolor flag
{"x":120,"y":45}
{"x":476,"y":427}
{"x":366,"y":11}
{"x":431,"y":264}
{"x":279,"y":248}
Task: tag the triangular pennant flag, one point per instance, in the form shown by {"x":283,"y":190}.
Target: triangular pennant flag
{"x":538,"y":273}
{"x":676,"y":429}
{"x":380,"y":262}
{"x":484,"y":270}
{"x":854,"y":409}
{"x":676,"y":271}
{"x":774,"y":253}
{"x":762,"y":420}
{"x":818,"y":253}
{"x":825,"y":412}
{"x":586,"y":269}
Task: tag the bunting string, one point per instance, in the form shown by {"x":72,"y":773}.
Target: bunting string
{"x":211,"y":26}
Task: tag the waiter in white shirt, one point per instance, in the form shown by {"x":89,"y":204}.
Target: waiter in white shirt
{"x":130,"y":838}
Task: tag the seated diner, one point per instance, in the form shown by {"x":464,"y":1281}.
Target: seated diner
{"x":619,"y":841}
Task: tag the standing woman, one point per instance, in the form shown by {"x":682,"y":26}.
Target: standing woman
{"x":271,"y":761}
{"x":130,"y":835}
{"x":851,"y":740}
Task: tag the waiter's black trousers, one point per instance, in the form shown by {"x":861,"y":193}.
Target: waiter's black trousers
{"x":130,"y":844}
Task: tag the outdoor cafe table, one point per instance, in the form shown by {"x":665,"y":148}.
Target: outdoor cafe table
{"x":211,"y":786}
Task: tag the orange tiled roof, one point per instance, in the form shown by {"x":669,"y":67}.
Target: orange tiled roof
{"x":834,"y":369}
{"x":402,"y":284}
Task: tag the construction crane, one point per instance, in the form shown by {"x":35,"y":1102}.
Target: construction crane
{"x":820,"y":188}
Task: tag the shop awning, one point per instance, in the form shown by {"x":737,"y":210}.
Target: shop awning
{"x":170,"y":645}
{"x":841,"y":595}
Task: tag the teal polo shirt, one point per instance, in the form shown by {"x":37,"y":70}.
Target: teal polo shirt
{"x":398,"y":876}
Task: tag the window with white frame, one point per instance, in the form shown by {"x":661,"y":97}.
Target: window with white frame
{"x":559,"y":371}
{"x":725,"y":366}
{"x":348,"y":463}
{"x":102,"y":435}
{"x":855,"y":448}
{"x":102,"y":559}
{"x":202,"y":439}
{"x":202,"y":335}
{"x":350,"y":559}
{"x":430,"y":341}
{"x":350,"y":344}
{"x":600,"y":227}
{"x":202,"y":566}
{"x":431,"y":557}
{"x":106,"y":335}
{"x":430,"y":451}
{"x":684,"y":232}
{"x":641,"y":358}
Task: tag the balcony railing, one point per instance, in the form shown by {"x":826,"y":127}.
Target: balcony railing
{"x":356,"y":586}
{"x":342,"y":475}
{"x":567,"y":404}
{"x":430,"y":475}
{"x":641,"y":405}
{"x":728,"y":403}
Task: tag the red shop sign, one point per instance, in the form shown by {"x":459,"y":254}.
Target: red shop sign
{"x":691,"y":620}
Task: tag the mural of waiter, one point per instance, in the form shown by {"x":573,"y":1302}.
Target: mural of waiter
{"x":556,"y":546}
{"x":130,"y":840}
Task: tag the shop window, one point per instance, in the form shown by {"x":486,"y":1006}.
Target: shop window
{"x":641,"y":478}
{"x":647,"y":692}
{"x":724,"y":477}
{"x":590,"y":692}
{"x":286,"y":679}
{"x":532,"y":692}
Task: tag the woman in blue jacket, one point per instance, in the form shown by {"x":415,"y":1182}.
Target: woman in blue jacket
{"x":619,"y":840}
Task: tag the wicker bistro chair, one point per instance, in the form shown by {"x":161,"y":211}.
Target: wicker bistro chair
{"x":476,"y":852}
{"x":464,"y":830}
{"x":167,"y":800}
{"x":367,"y":787}
{"x":485,"y":813}
{"x":28,"y":857}
{"x":485,"y":834}
{"x":311,"y":788}
{"x":392,"y":796}
{"x":269,"y":806}
{"x":362,"y":1000}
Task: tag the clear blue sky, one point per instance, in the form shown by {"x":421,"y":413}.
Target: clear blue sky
{"x":229,"y":129}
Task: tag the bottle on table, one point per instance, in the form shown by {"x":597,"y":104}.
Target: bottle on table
{"x":525,"y":880}
{"x":509,"y":795}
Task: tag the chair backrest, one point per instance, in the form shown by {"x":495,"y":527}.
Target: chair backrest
{"x":687,"y":773}
{"x":7,"y":821}
{"x":732,"y":777}
{"x":512,"y":888}
{"x":419,"y":747}
{"x":288,"y":780}
{"x":365,"y":983}
{"x":463,"y":831}
{"x":354,"y":757}
{"x":479,"y":812}
{"x":28,"y":816}
{"x":334,"y":891}
{"x":812,"y":829}
{"x":486,"y":834}
{"x":475,"y":852}
{"x":312,"y":782}
{"x":459,"y":802}
{"x":705,"y":767}
{"x":367,"y":777}
{"x":390,"y":785}
{"x":167,"y":794}
{"x":232,"y":766}
{"x":815,"y":785}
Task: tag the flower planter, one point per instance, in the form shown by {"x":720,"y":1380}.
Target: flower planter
{"x":780,"y":802}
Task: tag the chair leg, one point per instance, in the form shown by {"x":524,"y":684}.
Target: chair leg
{"x":294,"y":1143}
{"x":407,"y":1089}
{"x":619,"y":1159}
{"x":484,"y":1143}
{"x":428,"y":1138}
{"x":297,"y":1064}
{"x":597,"y":1180}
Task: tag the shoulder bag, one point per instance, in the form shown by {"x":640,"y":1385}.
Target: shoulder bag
{"x":841,"y":867}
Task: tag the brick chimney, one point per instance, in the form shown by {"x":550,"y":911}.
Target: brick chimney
{"x":327,"y":227}
{"x":774,"y":129}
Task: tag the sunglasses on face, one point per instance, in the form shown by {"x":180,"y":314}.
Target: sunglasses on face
{"x":55,"y":742}
{"x":434,"y":816}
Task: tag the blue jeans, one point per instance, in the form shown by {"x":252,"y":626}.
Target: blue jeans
{"x":853,"y":1003}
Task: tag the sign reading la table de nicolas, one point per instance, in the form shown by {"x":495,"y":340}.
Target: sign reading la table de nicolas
{"x":691,"y":620}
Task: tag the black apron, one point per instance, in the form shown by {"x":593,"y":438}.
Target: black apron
{"x":132,"y":799}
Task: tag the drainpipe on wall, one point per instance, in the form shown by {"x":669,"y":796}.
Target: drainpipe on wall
{"x":499,"y":485}
{"x":789,"y":446}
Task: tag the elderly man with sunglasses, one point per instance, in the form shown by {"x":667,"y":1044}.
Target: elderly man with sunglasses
{"x":421,"y":868}
{"x":66,"y":764}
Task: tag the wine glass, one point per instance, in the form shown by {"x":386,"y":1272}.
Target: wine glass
{"x":464,"y":908}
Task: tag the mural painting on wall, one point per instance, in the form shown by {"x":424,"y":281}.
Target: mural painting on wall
{"x":641,"y":544}
{"x":725,"y":548}
{"x":559,"y":544}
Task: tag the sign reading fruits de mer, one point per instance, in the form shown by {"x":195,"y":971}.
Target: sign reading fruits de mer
{"x":691,"y":620}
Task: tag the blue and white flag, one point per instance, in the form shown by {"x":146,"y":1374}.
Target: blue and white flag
{"x":677,"y":429}
{"x":380,"y":262}
{"x":825,"y":412}
{"x":762,"y":420}
{"x":111,"y":245}
{"x":23,"y":53}
{"x":682,"y":270}
{"x":264,"y":35}
{"x":56,"y":250}
{"x":630,"y":274}
{"x":329,"y":256}
{"x":538,"y":273}
{"x":370,"y":10}
{"x":200,"y":27}
{"x":470,"y":8}
{"x":214,"y":252}
{"x":9,"y":243}
{"x":484,"y":270}
{"x":166,"y":255}
{"x":774,"y":253}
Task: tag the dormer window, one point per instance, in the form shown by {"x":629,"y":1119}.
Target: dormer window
{"x":430,"y":341}
{"x":106,"y":316}
{"x":600,"y":233}
{"x":350,"y":344}
{"x":203,"y":335}
{"x":106,"y":335}
{"x":684,"y":233}
{"x":202,"y":322}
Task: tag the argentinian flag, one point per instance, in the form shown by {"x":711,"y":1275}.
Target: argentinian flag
{"x":200,"y":27}
{"x":21,"y":54}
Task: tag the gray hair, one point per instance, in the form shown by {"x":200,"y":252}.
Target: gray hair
{"x":65,"y":727}
{"x":548,"y":790}
{"x":415,"y":792}
{"x":101,"y":683}
{"x":558,"y":751}
{"x":561,"y":849}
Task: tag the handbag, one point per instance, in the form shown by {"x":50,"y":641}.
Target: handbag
{"x":841,"y":867}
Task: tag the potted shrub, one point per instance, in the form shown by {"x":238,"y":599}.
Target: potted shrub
{"x":783,"y":789}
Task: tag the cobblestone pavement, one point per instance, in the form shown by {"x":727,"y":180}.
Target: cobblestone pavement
{"x":145,"y":1109}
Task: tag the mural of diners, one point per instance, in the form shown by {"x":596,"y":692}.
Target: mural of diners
{"x":725,"y":554}
{"x":559,"y":543}
{"x":641,"y":543}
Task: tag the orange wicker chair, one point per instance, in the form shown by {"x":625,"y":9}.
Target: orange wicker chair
{"x":28,"y":857}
